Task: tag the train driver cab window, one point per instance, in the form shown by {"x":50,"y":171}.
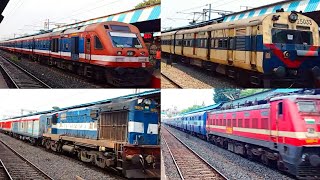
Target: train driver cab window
{"x":97,"y":43}
{"x":286,"y":36}
{"x":280,"y":108}
{"x":125,"y":40}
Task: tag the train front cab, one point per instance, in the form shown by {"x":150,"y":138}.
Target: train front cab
{"x":295,"y":124}
{"x":290,"y":49}
{"x":133,"y":137}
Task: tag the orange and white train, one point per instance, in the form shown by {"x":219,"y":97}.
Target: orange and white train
{"x":110,"y":51}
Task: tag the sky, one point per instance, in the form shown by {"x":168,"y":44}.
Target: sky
{"x":12,"y":101}
{"x":28,"y":16}
{"x":184,"y":98}
{"x":173,"y":11}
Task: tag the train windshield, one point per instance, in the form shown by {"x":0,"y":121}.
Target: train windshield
{"x":285,"y":36}
{"x":307,"y":106}
{"x":125,"y":40}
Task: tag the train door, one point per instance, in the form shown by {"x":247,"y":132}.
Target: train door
{"x":32,"y":46}
{"x":253,"y":52}
{"x":194,"y":43}
{"x":75,"y":48}
{"x":182,"y":44}
{"x":231,"y":43}
{"x":88,"y":48}
{"x":276,"y":118}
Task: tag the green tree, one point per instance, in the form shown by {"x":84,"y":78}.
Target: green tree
{"x":248,"y":92}
{"x":194,"y":107}
{"x":147,"y":3}
{"x":223,"y":95}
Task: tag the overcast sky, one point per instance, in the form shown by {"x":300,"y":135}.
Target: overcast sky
{"x":184,"y":98}
{"x":28,"y":16}
{"x":12,"y":101}
{"x":172,"y":11}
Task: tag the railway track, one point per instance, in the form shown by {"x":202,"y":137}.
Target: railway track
{"x":171,"y":81}
{"x":19,"y":78}
{"x":188,"y":163}
{"x":15,"y":166}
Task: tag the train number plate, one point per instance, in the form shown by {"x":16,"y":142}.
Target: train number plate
{"x":304,"y":22}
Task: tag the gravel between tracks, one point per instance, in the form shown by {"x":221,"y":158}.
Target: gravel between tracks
{"x":166,"y":84}
{"x":170,"y":169}
{"x":231,"y":165}
{"x":53,"y":77}
{"x":190,"y":77}
{"x":56,"y":166}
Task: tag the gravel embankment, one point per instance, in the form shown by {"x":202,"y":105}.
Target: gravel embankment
{"x":170,"y":169}
{"x":53,"y":77}
{"x":57,"y":166}
{"x":231,"y":165}
{"x":167,"y":84}
{"x":191,"y":77}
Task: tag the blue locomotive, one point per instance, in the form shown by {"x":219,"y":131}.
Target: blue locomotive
{"x":122,"y":134}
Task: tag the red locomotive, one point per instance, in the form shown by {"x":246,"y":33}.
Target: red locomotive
{"x":284,"y":132}
{"x":111,"y":51}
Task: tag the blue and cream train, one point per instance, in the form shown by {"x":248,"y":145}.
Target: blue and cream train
{"x":121,"y":134}
{"x":277,"y":49}
{"x":194,"y":123}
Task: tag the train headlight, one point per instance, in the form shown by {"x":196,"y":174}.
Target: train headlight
{"x":130,"y":53}
{"x":147,"y":101}
{"x":293,"y":17}
{"x":142,"y":53}
{"x":119,"y":53}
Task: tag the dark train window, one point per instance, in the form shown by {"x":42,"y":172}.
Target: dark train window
{"x":264,"y":123}
{"x":199,"y":118}
{"x":97,"y":43}
{"x":213,"y":122}
{"x":231,"y":43}
{"x":247,"y":123}
{"x":286,"y":36}
{"x":255,"y":123}
{"x":234,"y":122}
{"x":224,"y":122}
{"x":120,"y":28}
{"x":220,"y":122}
{"x":240,"y":123}
{"x":280,"y":108}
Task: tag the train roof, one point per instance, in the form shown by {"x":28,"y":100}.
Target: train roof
{"x":295,"y":97}
{"x":206,"y":108}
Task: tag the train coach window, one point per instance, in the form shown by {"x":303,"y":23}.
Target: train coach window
{"x":97,"y":43}
{"x":224,"y":122}
{"x":280,"y":108}
{"x":292,"y":37}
